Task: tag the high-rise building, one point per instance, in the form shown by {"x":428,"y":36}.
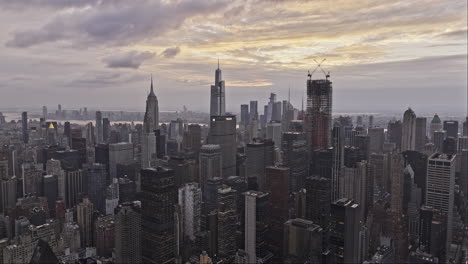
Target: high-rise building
{"x":440,"y":187}
{"x":302,"y":241}
{"x":210,"y":163}
{"x":318,"y":119}
{"x":318,"y":200}
{"x":259,"y":155}
{"x":451,"y":127}
{"x":295,"y":158}
{"x":227,"y":222}
{"x":376,"y":139}
{"x":190,"y":201}
{"x":74,"y":183}
{"x":50,"y":190}
{"x":371,"y":121}
{"x":273,"y":132}
{"x":99,"y":127}
{"x":96,"y":175}
{"x":217,"y":95}
{"x":106,"y":130}
{"x":8,"y":193}
{"x":24,"y":127}
{"x":465,"y":127}
{"x":438,"y":139}
{"x":84,"y":212}
{"x":408,"y":132}
{"x":150,"y":124}
{"x":244,"y":115}
{"x":344,"y":232}
{"x":119,"y":153}
{"x":104,"y":235}
{"x":253,"y":110}
{"x":436,"y":125}
{"x":338,"y":143}
{"x":158,"y":197}
{"x":194,"y":137}
{"x":257,"y":226}
{"x":394,"y":133}
{"x":223,"y":133}
{"x":128,"y":233}
{"x":421,"y":131}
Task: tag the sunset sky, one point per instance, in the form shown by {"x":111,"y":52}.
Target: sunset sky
{"x":383,"y":55}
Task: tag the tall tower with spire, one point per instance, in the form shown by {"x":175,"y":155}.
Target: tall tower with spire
{"x":150,"y":124}
{"x":217,"y":95}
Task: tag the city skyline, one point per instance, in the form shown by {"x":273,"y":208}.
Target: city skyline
{"x":383,"y":55}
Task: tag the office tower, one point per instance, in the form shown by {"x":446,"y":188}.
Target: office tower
{"x":302,"y":241}
{"x":150,"y":124}
{"x":338,"y":143}
{"x":394,"y":133}
{"x":53,"y":167}
{"x":269,"y":108}
{"x":259,"y":155}
{"x":190,"y":201}
{"x":8,"y":194}
{"x":194,"y":137}
{"x":210,"y":195}
{"x":244,"y":115}
{"x":440,"y":187}
{"x":295,"y":158}
{"x":276,"y":114}
{"x":438,"y":139}
{"x":321,"y":163}
{"x":371,"y":121}
{"x":408,"y":132}
{"x":359,"y":122}
{"x":119,"y":153}
{"x":397,"y":178}
{"x":128,"y":233}
{"x":223,"y":133}
{"x":257,"y":226}
{"x":90,"y":138}
{"x":84,"y":212}
{"x":273,"y":132}
{"x":217,"y":95}
{"x":44,"y":112}
{"x":73,"y":187}
{"x":127,"y":190}
{"x":344,"y":232}
{"x":106,"y":129}
{"x":239,"y":184}
{"x":418,"y":162}
{"x":104,"y":235}
{"x":376,"y":139}
{"x":436,"y":125}
{"x":96,"y":175}
{"x":278,"y":187}
{"x":24,"y":127}
{"x":353,"y":185}
{"x":112,"y":197}
{"x":421,"y":126}
{"x":449,"y":146}
{"x":287,"y":116}
{"x":227,"y":222}
{"x":68,"y":133}
{"x":318,"y":200}
{"x":451,"y":127}
{"x":210,"y":163}
{"x":31,"y":179}
{"x":253,"y":110}
{"x":462,"y":144}
{"x":99,"y":127}
{"x":318,"y":118}
{"x":431,"y":231}
{"x":50,"y":191}
{"x":158,"y":197}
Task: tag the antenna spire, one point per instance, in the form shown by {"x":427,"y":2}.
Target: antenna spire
{"x":152,"y":91}
{"x":218,"y":63}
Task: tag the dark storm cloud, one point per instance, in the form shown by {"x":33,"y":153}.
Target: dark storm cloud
{"x":131,"y":59}
{"x":170,"y":52}
{"x":116,"y":25}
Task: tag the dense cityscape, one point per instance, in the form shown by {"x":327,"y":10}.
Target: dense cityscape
{"x":272,"y":184}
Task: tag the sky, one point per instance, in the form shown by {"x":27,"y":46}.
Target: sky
{"x":382,"y":55}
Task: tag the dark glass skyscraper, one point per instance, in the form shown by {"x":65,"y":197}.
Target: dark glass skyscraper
{"x":294,"y":147}
{"x":318,"y":119}
{"x":24,"y":128}
{"x":158,"y":197}
{"x":223,"y":133}
{"x":217,"y":101}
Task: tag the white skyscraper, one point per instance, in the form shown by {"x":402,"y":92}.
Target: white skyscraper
{"x":408,"y":133}
{"x":190,"y":198}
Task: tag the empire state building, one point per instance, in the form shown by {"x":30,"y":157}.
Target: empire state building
{"x":150,"y":124}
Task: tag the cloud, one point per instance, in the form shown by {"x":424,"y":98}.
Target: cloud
{"x":170,"y":52}
{"x":122,"y":24}
{"x":131,"y":59}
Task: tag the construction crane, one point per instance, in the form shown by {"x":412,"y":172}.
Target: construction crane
{"x":319,"y":65}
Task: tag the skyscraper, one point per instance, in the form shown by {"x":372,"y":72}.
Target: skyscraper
{"x":190,"y":200}
{"x":295,"y":158}
{"x":438,"y":139}
{"x":318,"y":119}
{"x":318,"y":200}
{"x":302,"y":241}
{"x":421,"y":124}
{"x":99,"y":127}
{"x":253,"y":110}
{"x":158,"y":197}
{"x":24,"y":127}
{"x":210,"y":163}
{"x":84,"y":213}
{"x":223,"y":133}
{"x":244,"y":115}
{"x":119,"y":153}
{"x":217,"y":101}
{"x":376,"y":139}
{"x":440,"y":187}
{"x":128,"y":233}
{"x":227,"y":222}
{"x":260,"y":154}
{"x":408,"y":133}
{"x":150,"y":124}
{"x":96,"y":175}
{"x":451,"y":127}
{"x":436,"y":125}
